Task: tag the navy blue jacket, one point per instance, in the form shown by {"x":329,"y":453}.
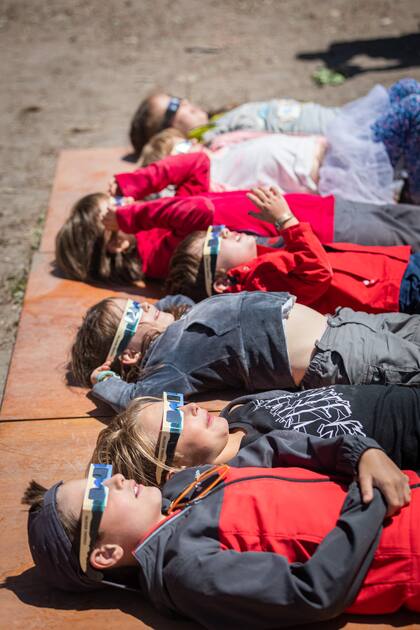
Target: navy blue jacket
{"x":225,"y":342}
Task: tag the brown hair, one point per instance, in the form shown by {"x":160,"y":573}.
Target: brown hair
{"x":94,"y":338}
{"x":186,"y":269}
{"x":145,"y":123}
{"x":159,"y":146}
{"x":34,"y":497}
{"x":127,"y":447}
{"x":81,"y":249}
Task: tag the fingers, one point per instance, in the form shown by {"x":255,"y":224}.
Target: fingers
{"x":275,"y":191}
{"x":262,"y":193}
{"x":255,"y":200}
{"x":366,"y":488}
{"x":109,"y":220}
{"x":397,"y":494}
{"x":112,"y":187}
{"x":377,"y":469}
{"x":102,"y":368}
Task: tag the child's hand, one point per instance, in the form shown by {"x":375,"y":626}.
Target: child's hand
{"x":377,"y":469}
{"x":109,"y":219}
{"x":113,"y":187}
{"x":272,"y":205}
{"x":102,"y":368}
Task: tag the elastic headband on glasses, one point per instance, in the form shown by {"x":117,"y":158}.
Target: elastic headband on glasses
{"x":170,"y":431}
{"x":126,"y":329}
{"x":94,"y":504}
{"x":211,"y":248}
{"x":171,"y":110}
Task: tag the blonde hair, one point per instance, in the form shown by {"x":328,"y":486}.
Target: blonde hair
{"x":160,"y":146}
{"x":125,"y":445}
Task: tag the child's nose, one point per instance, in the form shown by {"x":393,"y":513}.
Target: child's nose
{"x":116,"y":481}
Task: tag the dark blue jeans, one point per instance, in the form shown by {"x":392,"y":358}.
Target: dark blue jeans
{"x":410,"y":286}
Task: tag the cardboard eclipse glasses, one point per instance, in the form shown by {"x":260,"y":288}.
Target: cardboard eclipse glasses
{"x":126,"y":329}
{"x":96,"y":494}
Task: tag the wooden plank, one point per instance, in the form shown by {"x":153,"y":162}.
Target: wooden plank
{"x":52,"y":311}
{"x":79,"y":172}
{"x":48,"y":452}
{"x":60,"y":449}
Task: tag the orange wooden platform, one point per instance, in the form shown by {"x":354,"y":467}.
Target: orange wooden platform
{"x":48,"y":430}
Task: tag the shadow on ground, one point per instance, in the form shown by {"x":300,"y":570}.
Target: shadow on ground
{"x":32,"y":590}
{"x":401,"y":52}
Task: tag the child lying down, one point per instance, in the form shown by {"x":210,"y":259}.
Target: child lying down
{"x":247,"y":544}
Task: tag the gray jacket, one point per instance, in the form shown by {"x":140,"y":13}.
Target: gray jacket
{"x":231,"y":341}
{"x":218,"y":561}
{"x":278,"y":115}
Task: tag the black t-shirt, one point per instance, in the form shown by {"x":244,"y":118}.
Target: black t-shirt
{"x":389,"y":414}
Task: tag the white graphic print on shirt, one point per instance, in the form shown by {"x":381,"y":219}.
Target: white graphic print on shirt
{"x":324,"y":406}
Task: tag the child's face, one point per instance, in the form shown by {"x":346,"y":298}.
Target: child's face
{"x":152,"y":319}
{"x":203,"y":437}
{"x":132,"y":509}
{"x":236,"y":248}
{"x":186,"y":118}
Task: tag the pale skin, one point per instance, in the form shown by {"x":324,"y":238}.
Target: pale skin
{"x":133,"y":509}
{"x":304,"y":326}
{"x":205,"y":439}
{"x":117,"y":240}
{"x":152,"y":319}
{"x":189,"y":116}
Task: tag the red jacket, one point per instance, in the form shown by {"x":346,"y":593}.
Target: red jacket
{"x":160,"y":225}
{"x":274,"y":541}
{"x":362,"y":277}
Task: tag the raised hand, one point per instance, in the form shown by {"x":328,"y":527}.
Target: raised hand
{"x":113,"y":187}
{"x":109,"y":219}
{"x":273,"y":207}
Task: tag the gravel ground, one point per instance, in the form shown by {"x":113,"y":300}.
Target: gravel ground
{"x":74,"y":71}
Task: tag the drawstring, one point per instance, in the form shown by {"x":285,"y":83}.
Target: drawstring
{"x":220,"y":471}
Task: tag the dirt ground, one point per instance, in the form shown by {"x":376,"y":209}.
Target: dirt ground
{"x":73,"y":71}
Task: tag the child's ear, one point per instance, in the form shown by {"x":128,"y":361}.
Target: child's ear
{"x":106,"y":556}
{"x":129,"y":357}
{"x":171,"y":473}
{"x":221,"y":283}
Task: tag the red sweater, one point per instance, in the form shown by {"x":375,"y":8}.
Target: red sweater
{"x":338,"y":274}
{"x":160,"y":225}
